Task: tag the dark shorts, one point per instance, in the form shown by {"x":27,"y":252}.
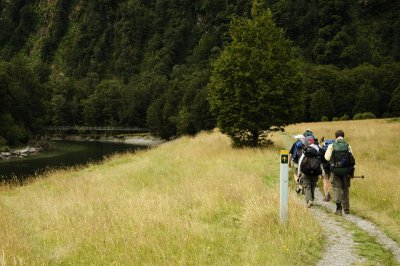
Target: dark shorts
{"x":327,"y":168}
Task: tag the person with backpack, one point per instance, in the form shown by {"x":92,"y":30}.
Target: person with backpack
{"x":294,"y":155}
{"x":310,"y":135}
{"x":309,"y":169}
{"x":341,"y":159}
{"x":327,"y":169}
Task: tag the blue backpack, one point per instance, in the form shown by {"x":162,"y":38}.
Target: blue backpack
{"x":327,"y":143}
{"x":298,"y":150}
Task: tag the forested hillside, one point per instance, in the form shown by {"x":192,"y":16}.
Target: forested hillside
{"x":147,"y":63}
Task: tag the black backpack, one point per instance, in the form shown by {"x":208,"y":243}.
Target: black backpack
{"x":311,"y":163}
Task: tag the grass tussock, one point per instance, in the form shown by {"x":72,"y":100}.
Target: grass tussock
{"x":375,"y":144}
{"x":192,"y":201}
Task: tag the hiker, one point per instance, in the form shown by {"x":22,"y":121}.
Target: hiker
{"x":309,"y":169}
{"x":294,"y":155}
{"x":308,"y":133}
{"x":342,"y":162}
{"x":327,"y":169}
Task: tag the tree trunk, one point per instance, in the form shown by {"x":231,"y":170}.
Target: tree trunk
{"x":254,"y":141}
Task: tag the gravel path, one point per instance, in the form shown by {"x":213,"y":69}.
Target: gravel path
{"x":339,"y":247}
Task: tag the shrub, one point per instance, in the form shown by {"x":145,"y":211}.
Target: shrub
{"x":324,"y":118}
{"x":335,"y":118}
{"x":3,"y":146}
{"x":366,"y":115}
{"x":344,"y":117}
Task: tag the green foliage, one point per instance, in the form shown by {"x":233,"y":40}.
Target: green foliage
{"x":394,"y":104}
{"x":320,"y":104}
{"x":335,"y":118}
{"x":321,"y":83}
{"x":254,"y":83}
{"x":324,"y":119}
{"x":65,"y":105}
{"x":17,"y":21}
{"x":104,"y":107}
{"x":158,"y":54}
{"x":367,"y":100}
{"x":342,"y":33}
{"x":344,"y":117}
{"x":22,"y":101}
{"x":365,"y":88}
{"x":158,"y":120}
{"x":366,"y":115}
{"x":12,"y":131}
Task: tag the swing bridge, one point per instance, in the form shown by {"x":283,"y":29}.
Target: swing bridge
{"x":95,"y":130}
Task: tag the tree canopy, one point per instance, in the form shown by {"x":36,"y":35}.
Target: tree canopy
{"x":255,"y":82}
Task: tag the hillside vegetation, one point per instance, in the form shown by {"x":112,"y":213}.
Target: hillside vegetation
{"x":148,"y":63}
{"x":192,"y":201}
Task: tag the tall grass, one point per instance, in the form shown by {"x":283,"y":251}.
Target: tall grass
{"x":192,"y":201}
{"x":376,"y":146}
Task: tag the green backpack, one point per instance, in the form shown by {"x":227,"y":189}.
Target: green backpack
{"x":342,"y":161}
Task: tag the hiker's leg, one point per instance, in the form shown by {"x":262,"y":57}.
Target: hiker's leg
{"x":345,"y":194}
{"x":296,"y":177}
{"x":295,"y":169}
{"x":327,"y":185}
{"x":314,"y":180}
{"x":307,"y":187}
{"x":337,"y":185}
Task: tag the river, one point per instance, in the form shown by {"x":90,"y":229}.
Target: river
{"x":63,"y":154}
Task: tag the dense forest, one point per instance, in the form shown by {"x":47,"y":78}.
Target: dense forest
{"x":147,"y":63}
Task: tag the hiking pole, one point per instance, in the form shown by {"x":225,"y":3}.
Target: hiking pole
{"x":357,"y":176}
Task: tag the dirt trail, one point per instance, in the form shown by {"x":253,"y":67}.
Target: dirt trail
{"x":339,"y":247}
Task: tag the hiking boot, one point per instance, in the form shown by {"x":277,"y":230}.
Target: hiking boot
{"x":338,"y":209}
{"x":310,"y":203}
{"x":346,"y":211}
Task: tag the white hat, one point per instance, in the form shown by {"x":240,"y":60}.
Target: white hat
{"x":299,"y":136}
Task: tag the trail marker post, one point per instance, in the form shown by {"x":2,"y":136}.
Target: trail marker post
{"x":284,"y":186}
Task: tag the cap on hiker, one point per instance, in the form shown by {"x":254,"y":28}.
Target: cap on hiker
{"x":299,"y":136}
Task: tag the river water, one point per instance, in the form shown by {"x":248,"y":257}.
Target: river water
{"x":63,"y":154}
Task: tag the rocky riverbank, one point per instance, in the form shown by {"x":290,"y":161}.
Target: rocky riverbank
{"x":19,"y":152}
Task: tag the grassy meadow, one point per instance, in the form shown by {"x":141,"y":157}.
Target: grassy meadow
{"x":376,"y":147}
{"x":192,"y":201}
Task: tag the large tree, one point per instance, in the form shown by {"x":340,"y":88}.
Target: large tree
{"x":255,"y":83}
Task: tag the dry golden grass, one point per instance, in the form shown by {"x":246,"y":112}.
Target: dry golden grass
{"x":376,"y":146}
{"x":193,"y":201}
